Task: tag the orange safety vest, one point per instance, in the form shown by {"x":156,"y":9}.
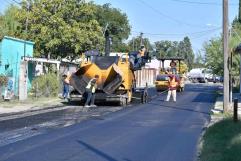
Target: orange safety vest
{"x":173,"y":83}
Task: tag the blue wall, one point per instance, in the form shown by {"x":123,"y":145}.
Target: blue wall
{"x":11,"y":52}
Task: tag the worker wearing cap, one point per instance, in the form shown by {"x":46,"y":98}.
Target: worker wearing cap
{"x":172,"y":87}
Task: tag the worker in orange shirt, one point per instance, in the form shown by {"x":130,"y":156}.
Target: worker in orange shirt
{"x":172,"y":87}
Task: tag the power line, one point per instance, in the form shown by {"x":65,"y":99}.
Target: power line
{"x":7,"y":1}
{"x":16,"y":2}
{"x":200,"y":36}
{"x":180,"y":34}
{"x":167,"y":16}
{"x":203,"y":3}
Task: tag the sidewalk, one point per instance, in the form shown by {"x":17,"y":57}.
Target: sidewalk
{"x":15,"y":106}
{"x":218,"y":107}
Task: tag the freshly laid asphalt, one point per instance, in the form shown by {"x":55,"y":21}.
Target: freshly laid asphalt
{"x":156,"y":131}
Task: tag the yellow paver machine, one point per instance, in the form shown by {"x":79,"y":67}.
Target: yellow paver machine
{"x":116,"y":77}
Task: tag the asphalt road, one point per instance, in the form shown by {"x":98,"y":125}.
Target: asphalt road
{"x":156,"y":131}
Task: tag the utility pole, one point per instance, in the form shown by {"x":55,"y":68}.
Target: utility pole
{"x":26,"y":31}
{"x":133,"y":44}
{"x":141,"y":42}
{"x":225,"y":57}
{"x":107,"y":43}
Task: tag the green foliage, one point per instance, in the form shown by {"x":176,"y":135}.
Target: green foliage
{"x":9,"y":24}
{"x":60,"y":27}
{"x":3,"y":80}
{"x":214,"y":55}
{"x":166,"y":48}
{"x":116,"y":22}
{"x":185,"y":51}
{"x":182,"y":49}
{"x":45,"y":85}
{"x":199,"y":60}
{"x":135,"y":44}
{"x":183,"y":67}
{"x":63,"y":28}
{"x":122,"y":47}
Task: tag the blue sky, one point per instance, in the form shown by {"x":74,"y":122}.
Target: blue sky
{"x":171,"y":19}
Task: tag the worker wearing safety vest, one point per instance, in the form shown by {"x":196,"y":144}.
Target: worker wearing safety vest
{"x":90,"y":91}
{"x":172,"y":88}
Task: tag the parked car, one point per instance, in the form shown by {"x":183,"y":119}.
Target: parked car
{"x":161,"y":82}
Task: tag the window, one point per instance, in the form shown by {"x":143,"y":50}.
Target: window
{"x":162,"y":78}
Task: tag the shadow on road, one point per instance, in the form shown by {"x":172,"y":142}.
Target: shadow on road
{"x":96,"y":151}
{"x":205,"y":98}
{"x":179,"y":108}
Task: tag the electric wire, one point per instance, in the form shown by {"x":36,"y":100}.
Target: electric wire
{"x":16,"y":2}
{"x":175,"y":34}
{"x":6,"y":1}
{"x":167,"y":16}
{"x":203,"y":3}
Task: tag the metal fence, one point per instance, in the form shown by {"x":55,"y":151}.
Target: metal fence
{"x":145,"y":76}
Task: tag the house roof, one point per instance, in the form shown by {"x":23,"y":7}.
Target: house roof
{"x":16,"y":39}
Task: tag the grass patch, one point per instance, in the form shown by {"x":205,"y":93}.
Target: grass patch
{"x":222,"y":142}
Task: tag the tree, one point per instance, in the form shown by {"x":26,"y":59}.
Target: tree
{"x":214,"y":55}
{"x":60,"y":27}
{"x":185,"y":51}
{"x":165,"y":48}
{"x":116,"y":22}
{"x":9,"y":24}
{"x":183,"y":67}
{"x":199,"y":60}
{"x":135,"y":44}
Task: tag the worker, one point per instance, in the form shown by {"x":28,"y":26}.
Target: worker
{"x":173,"y":65}
{"x":172,"y":87}
{"x":90,"y":91}
{"x":65,"y":93}
{"x":142,"y":51}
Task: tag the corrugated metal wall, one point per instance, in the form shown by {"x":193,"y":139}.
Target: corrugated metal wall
{"x":145,"y":75}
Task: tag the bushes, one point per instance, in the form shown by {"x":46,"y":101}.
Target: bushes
{"x":3,"y":80}
{"x":45,"y":85}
